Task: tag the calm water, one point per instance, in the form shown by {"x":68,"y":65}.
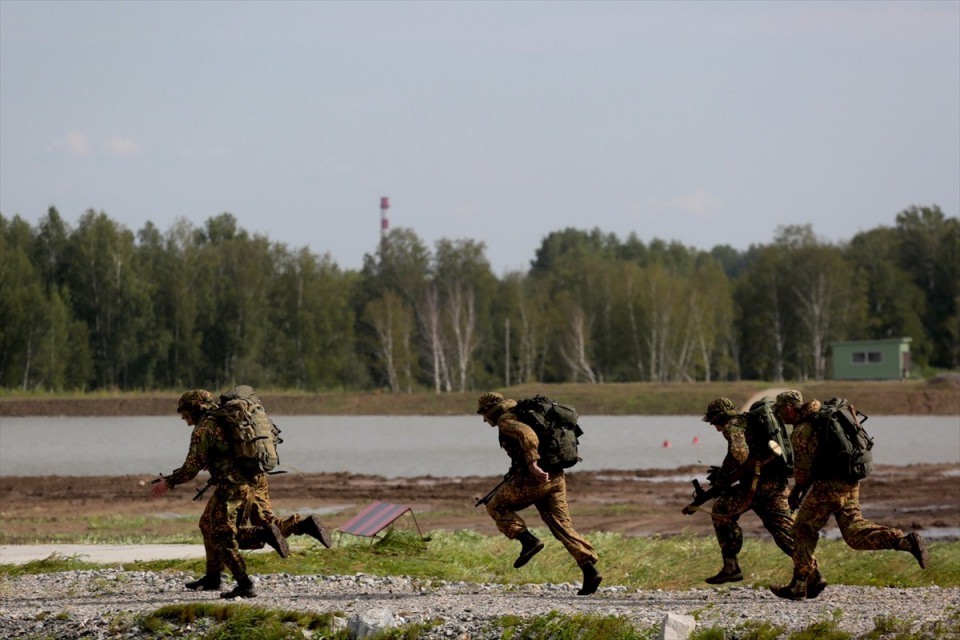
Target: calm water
{"x":414,"y":446}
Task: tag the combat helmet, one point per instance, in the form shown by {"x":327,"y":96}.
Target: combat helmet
{"x":196,"y":401}
{"x":790,"y":398}
{"x":719,"y":407}
{"x":488,"y":400}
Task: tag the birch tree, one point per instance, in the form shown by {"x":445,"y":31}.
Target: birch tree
{"x":820,"y":292}
{"x":463,"y":276}
{"x":392,"y":321}
{"x":431,"y":321}
{"x":575,"y":344}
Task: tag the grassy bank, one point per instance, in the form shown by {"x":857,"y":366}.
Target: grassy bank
{"x":676,"y":562}
{"x":939,"y":396}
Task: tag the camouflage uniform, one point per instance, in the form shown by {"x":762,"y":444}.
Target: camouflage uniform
{"x":523,"y":490}
{"x":767,"y":498}
{"x":823,"y":496}
{"x":232,"y":495}
{"x":209,"y":450}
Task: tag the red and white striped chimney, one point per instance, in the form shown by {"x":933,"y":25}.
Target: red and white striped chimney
{"x":384,"y":219}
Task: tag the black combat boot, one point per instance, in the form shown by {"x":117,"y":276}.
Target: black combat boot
{"x":796,"y":590}
{"x":311,"y":526}
{"x":815,"y":585}
{"x":729,"y":573}
{"x":271,"y":535}
{"x":209,"y":582}
{"x":244,"y":589}
{"x":591,"y":579}
{"x":915,"y":545}
{"x":531,"y":547}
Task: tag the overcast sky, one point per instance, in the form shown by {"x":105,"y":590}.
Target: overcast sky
{"x":701,"y":122}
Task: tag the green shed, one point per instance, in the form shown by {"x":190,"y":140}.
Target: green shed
{"x":887,"y":359}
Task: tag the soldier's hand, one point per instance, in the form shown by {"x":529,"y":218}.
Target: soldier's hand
{"x":160,"y":487}
{"x":537,"y":472}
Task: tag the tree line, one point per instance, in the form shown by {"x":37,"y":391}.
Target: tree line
{"x":99,"y":307}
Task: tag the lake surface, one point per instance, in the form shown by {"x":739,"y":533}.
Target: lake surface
{"x":414,"y":446}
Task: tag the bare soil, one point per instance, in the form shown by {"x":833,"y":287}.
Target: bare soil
{"x":645,"y":502}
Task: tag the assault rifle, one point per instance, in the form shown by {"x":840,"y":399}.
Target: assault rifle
{"x":485,"y":499}
{"x":748,"y":471}
{"x":718,"y":486}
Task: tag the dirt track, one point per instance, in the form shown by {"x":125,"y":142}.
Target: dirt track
{"x":634,"y":503}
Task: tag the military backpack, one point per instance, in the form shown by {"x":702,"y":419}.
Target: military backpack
{"x":252,"y":435}
{"x":845,"y":449}
{"x":556,"y":427}
{"x":767,"y":436}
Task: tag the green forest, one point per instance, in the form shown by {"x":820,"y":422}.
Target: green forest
{"x":97,"y":306}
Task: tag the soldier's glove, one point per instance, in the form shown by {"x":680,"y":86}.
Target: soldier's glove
{"x":795,"y":497}
{"x":716,"y":478}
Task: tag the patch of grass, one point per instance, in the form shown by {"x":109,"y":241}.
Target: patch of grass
{"x":21,"y":528}
{"x":54,"y":563}
{"x":889,"y":627}
{"x":760,"y":630}
{"x":893,"y":628}
{"x":948,"y":627}
{"x":823,"y":630}
{"x":245,"y":622}
{"x":827,"y":629}
{"x":229,"y":621}
{"x":113,"y":523}
{"x":556,"y":626}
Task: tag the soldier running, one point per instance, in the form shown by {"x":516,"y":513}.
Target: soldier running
{"x":527,"y":484}
{"x":766,"y":495}
{"x":820,"y":494}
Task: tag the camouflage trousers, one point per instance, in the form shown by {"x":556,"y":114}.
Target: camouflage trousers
{"x":550,"y":500}
{"x":258,"y":512}
{"x":218,"y":525}
{"x":841,"y":500}
{"x":768,"y":501}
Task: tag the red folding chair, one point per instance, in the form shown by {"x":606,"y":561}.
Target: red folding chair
{"x":375,"y":518}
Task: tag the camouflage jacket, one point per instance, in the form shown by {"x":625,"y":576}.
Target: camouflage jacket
{"x":519,"y":441}
{"x":804,"y":440}
{"x":209,"y":450}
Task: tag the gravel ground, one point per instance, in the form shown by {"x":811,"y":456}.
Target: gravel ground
{"x":82,"y":604}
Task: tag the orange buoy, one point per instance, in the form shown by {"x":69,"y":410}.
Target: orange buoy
{"x":666,"y":444}
{"x":696,"y":439}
